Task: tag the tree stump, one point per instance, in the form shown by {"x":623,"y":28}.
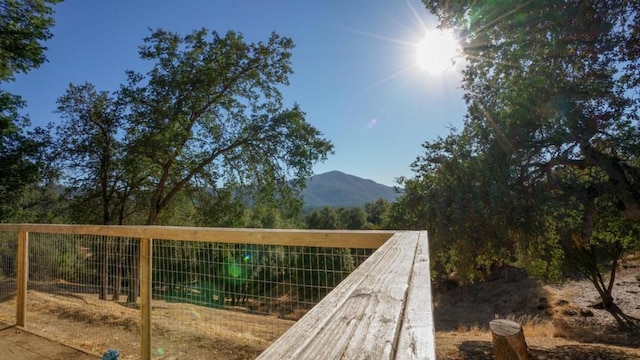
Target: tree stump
{"x":508,"y":340}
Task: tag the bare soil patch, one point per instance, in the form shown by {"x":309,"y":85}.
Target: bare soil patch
{"x":559,"y":320}
{"x":180,"y":331}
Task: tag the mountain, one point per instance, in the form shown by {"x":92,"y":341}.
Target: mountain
{"x":337,"y":189}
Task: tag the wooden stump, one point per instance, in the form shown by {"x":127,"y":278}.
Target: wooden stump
{"x":508,"y":340}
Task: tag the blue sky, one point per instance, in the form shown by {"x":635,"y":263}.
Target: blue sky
{"x":355,"y":71}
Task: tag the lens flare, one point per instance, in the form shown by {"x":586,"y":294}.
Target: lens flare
{"x":194,"y":313}
{"x":236,"y":271}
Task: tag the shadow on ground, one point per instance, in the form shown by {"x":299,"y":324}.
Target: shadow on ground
{"x":483,"y":350}
{"x":478,"y":304}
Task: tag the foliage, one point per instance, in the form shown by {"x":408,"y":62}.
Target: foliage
{"x":556,"y":86}
{"x":214,"y":108}
{"x":199,"y":139}
{"x":20,"y":154}
{"x":373,"y":215}
{"x":469,"y":203}
{"x":89,"y":151}
{"x":548,"y":156}
{"x":24,"y":26}
{"x":324,"y":218}
{"x":377,"y":212}
{"x":41,"y":204}
{"x":353,"y":218}
{"x":220,"y":208}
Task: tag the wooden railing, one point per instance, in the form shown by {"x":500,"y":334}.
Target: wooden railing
{"x":382,"y":310}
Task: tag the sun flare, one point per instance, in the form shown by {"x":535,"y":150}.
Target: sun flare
{"x":437,"y":51}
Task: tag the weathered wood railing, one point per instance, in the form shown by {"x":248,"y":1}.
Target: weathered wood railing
{"x":382,"y":310}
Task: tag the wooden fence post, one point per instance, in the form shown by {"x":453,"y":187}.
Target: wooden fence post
{"x":508,"y":340}
{"x":145,"y":297}
{"x":23,"y":277}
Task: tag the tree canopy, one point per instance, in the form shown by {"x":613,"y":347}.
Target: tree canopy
{"x":206,"y":121}
{"x":212,"y":104}
{"x":24,"y":26}
{"x":198,"y":139}
{"x":548,"y":155}
{"x":554,"y":85}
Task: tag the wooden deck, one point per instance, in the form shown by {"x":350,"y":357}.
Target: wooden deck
{"x":18,"y":344}
{"x":383,"y":310}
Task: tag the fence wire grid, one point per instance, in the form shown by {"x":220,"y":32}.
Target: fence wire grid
{"x":209,"y":299}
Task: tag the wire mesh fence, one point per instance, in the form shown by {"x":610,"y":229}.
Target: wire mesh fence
{"x":8,"y":277}
{"x":209,"y":299}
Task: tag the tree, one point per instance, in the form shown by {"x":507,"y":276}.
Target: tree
{"x":377,"y":212}
{"x":471,"y":204}
{"x":595,"y":236}
{"x":323,"y":218}
{"x":88,"y":150}
{"x":215,"y":109}
{"x":220,"y":208}
{"x":24,"y":26}
{"x":552,"y":94}
{"x":210,"y":111}
{"x":19,"y":154}
{"x":352,"y":218}
{"x":556,"y":85}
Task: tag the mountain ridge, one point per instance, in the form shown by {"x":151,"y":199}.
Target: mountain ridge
{"x":339,"y":189}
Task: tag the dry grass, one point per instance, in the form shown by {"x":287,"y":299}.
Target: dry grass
{"x":551,"y":317}
{"x":179,"y":330}
{"x":557,"y":321}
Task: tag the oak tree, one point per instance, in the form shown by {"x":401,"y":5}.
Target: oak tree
{"x":210,"y":110}
{"x":24,"y":26}
{"x":552,"y":127}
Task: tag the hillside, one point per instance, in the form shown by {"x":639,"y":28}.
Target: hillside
{"x":337,"y":189}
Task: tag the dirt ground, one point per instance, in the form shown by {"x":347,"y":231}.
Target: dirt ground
{"x":180,"y":331}
{"x":558,"y":322}
{"x":18,"y":344}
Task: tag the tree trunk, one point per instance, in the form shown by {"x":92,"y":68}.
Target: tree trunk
{"x":508,"y":340}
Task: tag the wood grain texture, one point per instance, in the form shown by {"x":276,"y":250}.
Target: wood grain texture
{"x":145,"y":297}
{"x":508,"y":340}
{"x":362,"y":317}
{"x":358,"y":239}
{"x":23,"y":277}
{"x":417,"y":336}
{"x":383,"y":310}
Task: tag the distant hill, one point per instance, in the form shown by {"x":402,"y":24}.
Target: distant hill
{"x":337,"y":189}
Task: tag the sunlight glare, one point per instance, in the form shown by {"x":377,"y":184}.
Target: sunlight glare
{"x":437,"y":51}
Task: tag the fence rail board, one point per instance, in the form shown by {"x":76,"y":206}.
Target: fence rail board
{"x":376,"y":313}
{"x":357,"y":239}
{"x":418,"y":332}
{"x":382,"y":310}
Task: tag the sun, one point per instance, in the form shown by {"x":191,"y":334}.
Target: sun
{"x":437,"y":52}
